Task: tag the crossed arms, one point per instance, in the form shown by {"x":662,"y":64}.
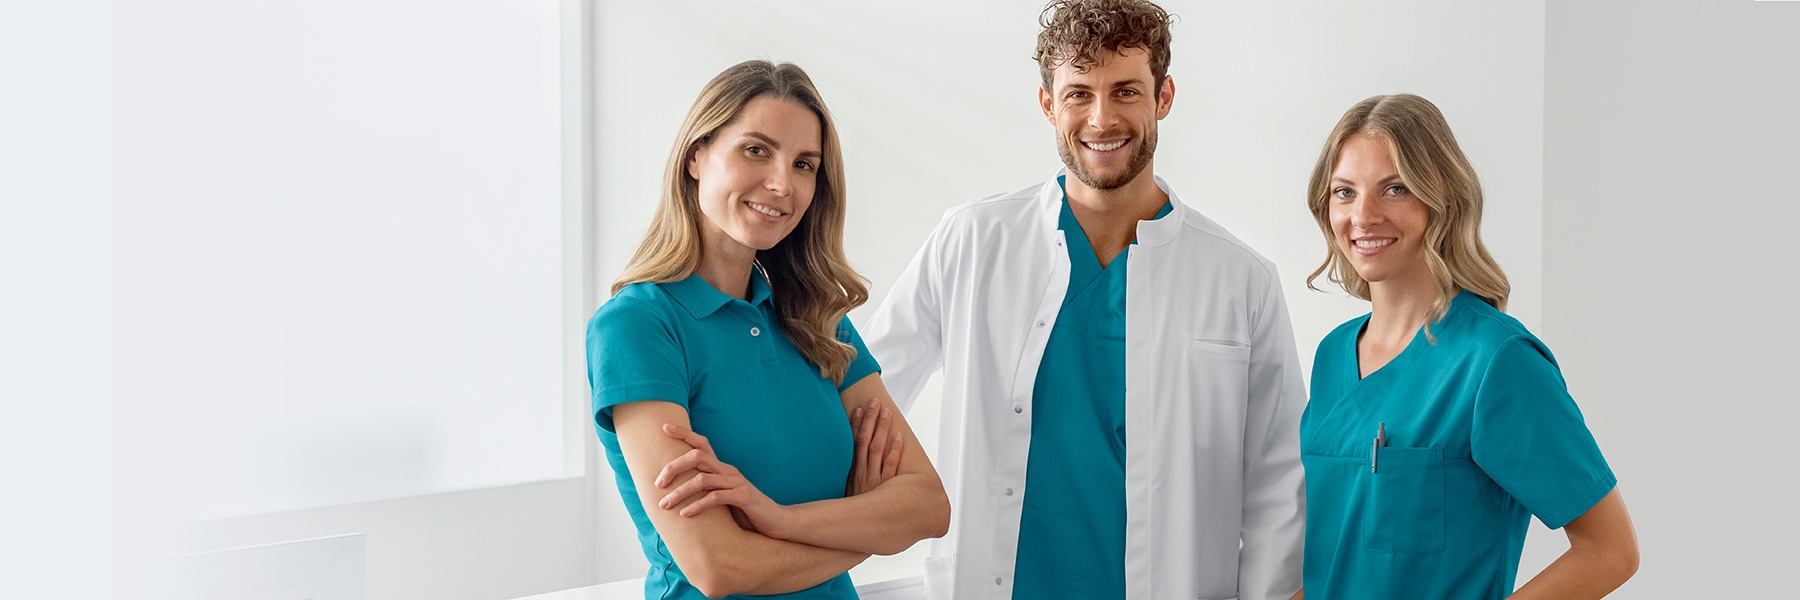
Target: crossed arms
{"x":729,"y":538}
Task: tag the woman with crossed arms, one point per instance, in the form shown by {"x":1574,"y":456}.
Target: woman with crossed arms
{"x":745,"y":422}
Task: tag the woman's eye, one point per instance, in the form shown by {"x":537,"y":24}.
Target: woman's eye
{"x":1341,"y":192}
{"x":804,"y":165}
{"x":755,"y":150}
{"x":1396,"y":190}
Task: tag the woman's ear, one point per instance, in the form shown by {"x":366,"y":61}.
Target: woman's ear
{"x":693,"y":159}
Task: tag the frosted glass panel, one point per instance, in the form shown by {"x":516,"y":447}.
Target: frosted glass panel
{"x":339,"y":238}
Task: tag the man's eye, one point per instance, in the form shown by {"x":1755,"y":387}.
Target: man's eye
{"x":1127,"y":92}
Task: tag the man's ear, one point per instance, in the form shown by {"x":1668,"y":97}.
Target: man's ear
{"x":1047,"y":104}
{"x":1165,"y":97}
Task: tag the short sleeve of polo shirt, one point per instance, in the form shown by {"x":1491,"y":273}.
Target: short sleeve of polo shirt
{"x":1531,"y":439}
{"x":634,"y":353}
{"x":865,"y":364}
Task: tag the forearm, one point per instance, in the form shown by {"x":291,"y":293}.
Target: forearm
{"x":886,"y":520}
{"x":1580,"y":573}
{"x":749,"y":563}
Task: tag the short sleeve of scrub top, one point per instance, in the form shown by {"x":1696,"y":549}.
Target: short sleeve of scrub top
{"x":1530,"y":438}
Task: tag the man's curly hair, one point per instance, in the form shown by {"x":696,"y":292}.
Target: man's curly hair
{"x":1083,"y":32}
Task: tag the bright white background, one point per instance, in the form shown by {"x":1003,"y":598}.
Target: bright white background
{"x":1644,"y":147}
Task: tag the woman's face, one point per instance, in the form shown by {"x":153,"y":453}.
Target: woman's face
{"x":1376,"y":221}
{"x":756,"y":176}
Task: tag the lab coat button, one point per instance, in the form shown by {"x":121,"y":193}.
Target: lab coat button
{"x":996,"y":581}
{"x":754,"y":331}
{"x":1040,"y":323}
{"x":1018,"y":409}
{"x":1009,"y":491}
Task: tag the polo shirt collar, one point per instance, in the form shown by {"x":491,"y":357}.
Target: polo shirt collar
{"x":701,"y":299}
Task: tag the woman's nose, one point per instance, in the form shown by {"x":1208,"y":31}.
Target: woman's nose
{"x":1364,"y":212}
{"x":780,"y":183}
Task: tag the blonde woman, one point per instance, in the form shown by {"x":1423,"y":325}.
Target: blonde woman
{"x":752,"y":440}
{"x":1438,"y":425}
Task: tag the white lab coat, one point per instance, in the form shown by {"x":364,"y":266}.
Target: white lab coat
{"x":1213,"y":396}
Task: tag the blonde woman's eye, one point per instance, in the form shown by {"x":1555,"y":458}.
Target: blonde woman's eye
{"x":1341,"y":192}
{"x":755,"y":150}
{"x":1396,"y":190}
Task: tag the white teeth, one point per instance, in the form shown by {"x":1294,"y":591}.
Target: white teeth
{"x":1105,"y":147}
{"x":765,"y":210}
{"x":1373,"y":243}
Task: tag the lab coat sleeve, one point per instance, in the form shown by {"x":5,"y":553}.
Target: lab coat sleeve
{"x":906,"y":333}
{"x":1274,"y":485}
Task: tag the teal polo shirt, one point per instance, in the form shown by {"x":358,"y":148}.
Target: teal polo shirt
{"x":766,"y":410}
{"x":1072,"y":530}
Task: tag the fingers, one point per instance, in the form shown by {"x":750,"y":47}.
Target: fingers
{"x":684,"y":434}
{"x":890,"y":463}
{"x":711,"y":499}
{"x":693,"y":460}
{"x":877,"y":445}
{"x":859,"y":438}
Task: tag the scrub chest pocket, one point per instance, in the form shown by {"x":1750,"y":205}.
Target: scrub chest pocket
{"x":1405,"y":513}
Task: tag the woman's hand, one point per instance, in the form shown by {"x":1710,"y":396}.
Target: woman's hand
{"x":876,"y":457}
{"x":718,"y":484}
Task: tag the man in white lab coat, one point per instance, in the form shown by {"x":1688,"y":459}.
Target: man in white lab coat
{"x":1121,"y":390}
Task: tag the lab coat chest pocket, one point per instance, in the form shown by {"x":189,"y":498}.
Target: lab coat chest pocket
{"x":1217,"y":385}
{"x":1405,"y":509}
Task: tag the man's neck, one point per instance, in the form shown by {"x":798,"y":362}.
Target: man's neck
{"x":1110,"y":217}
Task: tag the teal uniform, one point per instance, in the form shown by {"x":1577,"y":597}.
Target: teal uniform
{"x":1072,"y":530}
{"x":746,"y":388}
{"x":1481,"y":434}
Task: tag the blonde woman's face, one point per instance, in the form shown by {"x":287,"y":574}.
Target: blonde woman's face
{"x":1376,"y":220}
{"x":756,"y":177}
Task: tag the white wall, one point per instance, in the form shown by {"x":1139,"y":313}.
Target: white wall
{"x":1669,"y":211}
{"x":936,"y":102}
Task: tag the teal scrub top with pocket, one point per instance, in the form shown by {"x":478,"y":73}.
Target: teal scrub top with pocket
{"x":1072,"y":527}
{"x":765,"y":409}
{"x":1481,"y":434}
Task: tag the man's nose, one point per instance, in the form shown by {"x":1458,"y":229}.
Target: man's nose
{"x":1104,"y":116}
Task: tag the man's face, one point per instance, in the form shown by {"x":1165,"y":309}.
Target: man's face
{"x":1106,"y":117}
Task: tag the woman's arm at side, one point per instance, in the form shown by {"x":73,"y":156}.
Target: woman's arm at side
{"x":1603,"y":553}
{"x":717,"y":556}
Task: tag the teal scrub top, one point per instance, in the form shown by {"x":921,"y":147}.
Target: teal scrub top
{"x":1481,"y":434}
{"x":766,"y":410}
{"x":1075,"y":472}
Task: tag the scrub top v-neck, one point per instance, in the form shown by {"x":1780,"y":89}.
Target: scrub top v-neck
{"x":1481,"y":434}
{"x":1072,"y":530}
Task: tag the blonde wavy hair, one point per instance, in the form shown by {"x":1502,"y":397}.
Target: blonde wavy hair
{"x":810,"y":279}
{"x":1432,"y":165}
